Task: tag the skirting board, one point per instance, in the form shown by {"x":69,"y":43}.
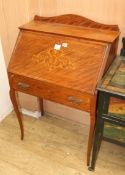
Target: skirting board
{"x":37,"y":114}
{"x":4,"y":115}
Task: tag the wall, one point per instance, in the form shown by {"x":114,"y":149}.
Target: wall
{"x":5,"y":104}
{"x":14,"y":13}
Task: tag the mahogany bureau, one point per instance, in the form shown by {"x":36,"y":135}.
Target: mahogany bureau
{"x":62,"y":59}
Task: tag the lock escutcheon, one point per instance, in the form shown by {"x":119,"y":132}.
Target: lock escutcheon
{"x":75,"y":100}
{"x":23,"y":86}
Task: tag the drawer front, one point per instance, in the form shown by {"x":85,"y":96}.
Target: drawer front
{"x":114,"y":132}
{"x":49,"y":91}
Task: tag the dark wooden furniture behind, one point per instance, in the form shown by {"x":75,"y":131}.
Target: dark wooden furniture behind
{"x":61,"y":59}
{"x":111,"y":88}
{"x":123,"y":48}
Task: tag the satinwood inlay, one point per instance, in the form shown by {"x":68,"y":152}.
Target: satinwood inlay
{"x":54,"y":59}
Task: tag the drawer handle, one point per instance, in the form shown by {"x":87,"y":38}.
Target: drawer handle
{"x":23,"y":86}
{"x":75,"y":100}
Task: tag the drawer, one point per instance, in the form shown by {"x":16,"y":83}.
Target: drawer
{"x":114,"y":132}
{"x":52,"y":92}
{"x":117,"y":108}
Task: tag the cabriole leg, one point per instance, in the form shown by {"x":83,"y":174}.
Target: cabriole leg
{"x":18,"y":114}
{"x":90,"y":139}
{"x":92,"y":128}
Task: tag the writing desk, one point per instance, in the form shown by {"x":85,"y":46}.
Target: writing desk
{"x":61,"y":59}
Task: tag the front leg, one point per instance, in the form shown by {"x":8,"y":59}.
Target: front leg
{"x":92,"y":128}
{"x":16,"y":108}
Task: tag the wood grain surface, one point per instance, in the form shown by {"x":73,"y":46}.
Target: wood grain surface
{"x":71,"y":30}
{"x":89,"y":61}
{"x":73,"y":19}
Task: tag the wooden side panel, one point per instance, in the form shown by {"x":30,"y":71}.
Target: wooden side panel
{"x":112,"y":54}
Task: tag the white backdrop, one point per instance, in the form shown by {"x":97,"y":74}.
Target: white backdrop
{"x":5,"y":103}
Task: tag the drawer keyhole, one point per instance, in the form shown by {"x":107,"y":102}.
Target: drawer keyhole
{"x":23,"y":86}
{"x":75,"y":100}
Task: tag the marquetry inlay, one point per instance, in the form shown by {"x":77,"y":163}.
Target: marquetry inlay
{"x":54,"y":59}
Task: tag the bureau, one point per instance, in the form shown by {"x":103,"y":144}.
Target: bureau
{"x":62,"y":59}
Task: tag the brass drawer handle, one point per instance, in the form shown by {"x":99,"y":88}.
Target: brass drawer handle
{"x":75,"y":100}
{"x":23,"y":86}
